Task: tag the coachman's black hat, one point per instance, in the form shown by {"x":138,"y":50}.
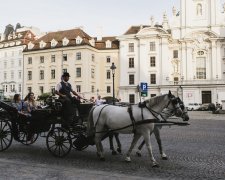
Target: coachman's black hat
{"x":66,"y":74}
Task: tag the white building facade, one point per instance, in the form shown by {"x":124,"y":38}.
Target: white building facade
{"x":12,"y":44}
{"x":185,"y":55}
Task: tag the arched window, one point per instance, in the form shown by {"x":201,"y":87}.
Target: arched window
{"x":199,"y":9}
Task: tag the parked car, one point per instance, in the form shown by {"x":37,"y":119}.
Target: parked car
{"x":193,"y":106}
{"x":204,"y":107}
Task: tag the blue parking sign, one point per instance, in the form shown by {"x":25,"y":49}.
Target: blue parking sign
{"x":144,"y":87}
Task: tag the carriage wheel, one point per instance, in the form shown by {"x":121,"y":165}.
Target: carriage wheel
{"x":59,"y":142}
{"x":5,"y":135}
{"x":23,"y":138}
{"x":80,"y":143}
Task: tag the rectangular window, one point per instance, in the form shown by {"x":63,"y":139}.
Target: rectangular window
{"x":153,"y":95}
{"x":78,"y":87}
{"x":29,"y":89}
{"x":108,"y":59}
{"x":92,"y":73}
{"x":53,"y":89}
{"x":52,"y":58}
{"x":6,"y":88}
{"x":12,"y":75}
{"x":64,"y":70}
{"x":201,"y":68}
{"x":152,"y":61}
{"x":78,"y":56}
{"x":64,"y":57}
{"x":108,"y":89}
{"x":108,"y":74}
{"x":29,"y":60}
{"x":131,"y":62}
{"x":29,"y":75}
{"x":175,"y":53}
{"x":152,"y":46}
{"x":53,"y":74}
{"x":42,"y":59}
{"x":132,"y":98}
{"x":78,"y":72}
{"x":12,"y":63}
{"x":20,"y":75}
{"x":152,"y":78}
{"x":20,"y":62}
{"x":20,"y":88}
{"x":5,"y":75}
{"x":131,"y":47}
{"x":131,"y":79}
{"x":93,"y":58}
{"x":41,"y":88}
{"x":41,"y":74}
{"x":92,"y":89}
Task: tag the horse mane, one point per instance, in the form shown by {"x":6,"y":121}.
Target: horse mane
{"x":155,"y":100}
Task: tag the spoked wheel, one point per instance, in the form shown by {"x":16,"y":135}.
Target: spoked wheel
{"x":80,"y":143}
{"x":5,"y":135}
{"x":59,"y":142}
{"x":26,"y":140}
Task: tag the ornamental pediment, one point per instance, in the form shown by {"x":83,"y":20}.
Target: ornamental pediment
{"x":152,"y":31}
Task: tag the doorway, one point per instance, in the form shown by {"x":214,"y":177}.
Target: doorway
{"x":206,"y":97}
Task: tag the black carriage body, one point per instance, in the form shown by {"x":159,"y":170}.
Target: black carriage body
{"x":48,"y":120}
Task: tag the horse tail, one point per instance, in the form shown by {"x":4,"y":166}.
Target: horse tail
{"x":90,"y":124}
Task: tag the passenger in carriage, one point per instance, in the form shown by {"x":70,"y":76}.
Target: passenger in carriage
{"x":64,"y":90}
{"x":29,"y":104}
{"x":17,"y":103}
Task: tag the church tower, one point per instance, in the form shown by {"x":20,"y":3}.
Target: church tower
{"x":198,"y":14}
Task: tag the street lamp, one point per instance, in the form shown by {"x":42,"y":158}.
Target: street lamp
{"x":113,"y":67}
{"x":181,"y":90}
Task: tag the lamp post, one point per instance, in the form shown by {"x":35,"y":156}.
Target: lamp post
{"x":113,"y":68}
{"x":181,"y":90}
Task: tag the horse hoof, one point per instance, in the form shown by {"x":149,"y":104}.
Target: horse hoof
{"x":138,"y":154}
{"x":165,"y":158}
{"x":114,"y":153}
{"x":102,"y":159}
{"x":127,"y":159}
{"x":119,"y":150}
{"x":155,"y":166}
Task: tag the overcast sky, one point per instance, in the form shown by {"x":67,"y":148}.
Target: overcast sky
{"x":114,"y":16}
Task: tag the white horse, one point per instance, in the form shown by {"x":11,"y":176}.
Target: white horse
{"x":164,"y":115}
{"x":106,"y":117}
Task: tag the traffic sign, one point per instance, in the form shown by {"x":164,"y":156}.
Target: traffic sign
{"x":144,"y":89}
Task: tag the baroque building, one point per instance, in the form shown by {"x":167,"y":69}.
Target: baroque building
{"x":87,"y":59}
{"x":185,"y":54}
{"x":12,"y":43}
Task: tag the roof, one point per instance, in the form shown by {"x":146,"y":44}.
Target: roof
{"x":71,"y":35}
{"x":136,"y":29}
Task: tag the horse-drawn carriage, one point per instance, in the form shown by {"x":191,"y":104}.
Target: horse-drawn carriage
{"x":47,"y":122}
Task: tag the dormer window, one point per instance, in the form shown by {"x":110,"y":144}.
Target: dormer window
{"x":19,"y":35}
{"x":53,"y":43}
{"x":78,"y":40}
{"x":30,"y":45}
{"x":108,"y":44}
{"x":65,"y":41}
{"x":9,"y":37}
{"x":42,"y":44}
{"x":199,"y":9}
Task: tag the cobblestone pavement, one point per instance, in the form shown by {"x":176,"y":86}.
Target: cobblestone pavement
{"x":195,"y":152}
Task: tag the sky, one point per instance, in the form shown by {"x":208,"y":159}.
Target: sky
{"x":114,"y":17}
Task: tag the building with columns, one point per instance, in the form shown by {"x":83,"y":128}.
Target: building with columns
{"x":12,"y":43}
{"x":185,"y":54}
{"x":87,"y":59}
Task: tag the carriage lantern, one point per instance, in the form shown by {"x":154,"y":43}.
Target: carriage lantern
{"x":113,"y":67}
